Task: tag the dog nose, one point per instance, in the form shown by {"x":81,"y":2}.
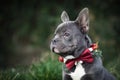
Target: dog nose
{"x":54,"y":41}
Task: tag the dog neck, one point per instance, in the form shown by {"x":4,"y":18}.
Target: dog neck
{"x":85,"y":56}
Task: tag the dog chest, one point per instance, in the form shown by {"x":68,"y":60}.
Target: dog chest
{"x":78,"y":73}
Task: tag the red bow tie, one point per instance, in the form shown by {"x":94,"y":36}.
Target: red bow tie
{"x":86,"y":56}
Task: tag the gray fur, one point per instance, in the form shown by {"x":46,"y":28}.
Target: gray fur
{"x":71,"y":39}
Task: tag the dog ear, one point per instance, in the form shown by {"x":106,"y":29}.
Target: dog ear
{"x":83,"y":20}
{"x":64,"y":16}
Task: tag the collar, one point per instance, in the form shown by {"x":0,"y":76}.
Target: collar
{"x":86,"y":56}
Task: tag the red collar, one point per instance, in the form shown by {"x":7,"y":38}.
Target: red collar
{"x":86,"y":56}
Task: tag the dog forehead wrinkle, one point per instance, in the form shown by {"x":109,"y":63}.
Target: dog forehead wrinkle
{"x":59,"y":28}
{"x":63,"y":26}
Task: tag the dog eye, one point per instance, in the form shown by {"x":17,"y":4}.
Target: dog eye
{"x":67,"y":34}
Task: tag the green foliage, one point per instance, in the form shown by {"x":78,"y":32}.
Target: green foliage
{"x":48,"y":70}
{"x":97,"y":53}
{"x":114,"y":67}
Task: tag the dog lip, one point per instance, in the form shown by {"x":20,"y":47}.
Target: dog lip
{"x":55,"y":50}
{"x":52,"y":49}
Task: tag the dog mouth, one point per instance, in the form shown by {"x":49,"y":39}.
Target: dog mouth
{"x":61,"y":53}
{"x":55,"y":50}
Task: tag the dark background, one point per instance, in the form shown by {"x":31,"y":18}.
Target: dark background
{"x":27,"y":26}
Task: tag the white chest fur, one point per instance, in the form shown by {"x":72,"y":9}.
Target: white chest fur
{"x":78,"y":73}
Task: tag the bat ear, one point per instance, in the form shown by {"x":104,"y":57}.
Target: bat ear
{"x":64,"y":16}
{"x":83,"y":20}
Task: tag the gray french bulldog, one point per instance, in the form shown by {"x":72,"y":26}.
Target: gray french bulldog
{"x":70,"y":42}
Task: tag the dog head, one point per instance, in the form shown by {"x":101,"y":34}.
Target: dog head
{"x":69,"y":36}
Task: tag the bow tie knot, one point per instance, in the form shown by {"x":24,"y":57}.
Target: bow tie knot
{"x":86,"y":56}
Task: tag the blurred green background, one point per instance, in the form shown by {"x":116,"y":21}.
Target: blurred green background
{"x":27,"y":26}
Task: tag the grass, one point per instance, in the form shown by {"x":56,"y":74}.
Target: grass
{"x":49,"y":69}
{"x":114,"y":67}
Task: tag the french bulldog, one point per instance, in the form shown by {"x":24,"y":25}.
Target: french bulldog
{"x":73,"y":44}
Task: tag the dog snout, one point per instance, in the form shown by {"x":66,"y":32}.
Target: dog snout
{"x":54,"y":41}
